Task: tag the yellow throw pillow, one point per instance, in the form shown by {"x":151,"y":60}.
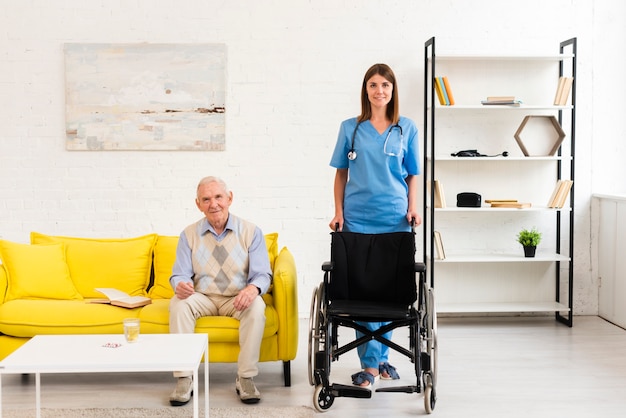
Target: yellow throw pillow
{"x":37,"y":271}
{"x":123,"y":263}
{"x":164,"y":257}
{"x":271,"y":242}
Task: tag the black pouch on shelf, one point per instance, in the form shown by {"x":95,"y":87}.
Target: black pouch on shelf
{"x":468,"y":200}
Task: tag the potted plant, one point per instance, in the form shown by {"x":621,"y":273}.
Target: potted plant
{"x":529,"y":238}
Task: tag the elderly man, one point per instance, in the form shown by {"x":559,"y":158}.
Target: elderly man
{"x":222,"y":268}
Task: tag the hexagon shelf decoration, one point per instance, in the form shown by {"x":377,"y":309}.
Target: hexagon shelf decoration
{"x":552,"y":122}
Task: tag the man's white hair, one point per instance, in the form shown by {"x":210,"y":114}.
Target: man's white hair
{"x":211,"y":179}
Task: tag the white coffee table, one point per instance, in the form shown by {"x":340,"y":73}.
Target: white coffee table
{"x":90,"y":354}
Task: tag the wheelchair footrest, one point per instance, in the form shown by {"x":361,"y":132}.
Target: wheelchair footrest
{"x":400,"y":389}
{"x":350,"y":391}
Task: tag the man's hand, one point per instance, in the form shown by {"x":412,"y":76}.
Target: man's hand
{"x":245,"y":297}
{"x":184,"y":290}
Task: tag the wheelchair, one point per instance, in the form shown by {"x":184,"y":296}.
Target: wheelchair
{"x":363,"y":268}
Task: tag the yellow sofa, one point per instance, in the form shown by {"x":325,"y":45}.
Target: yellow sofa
{"x":46,"y":288}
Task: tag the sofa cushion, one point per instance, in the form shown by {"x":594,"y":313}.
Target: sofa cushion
{"x":155,"y":319}
{"x":123,"y":263}
{"x":4,"y":281}
{"x":27,"y":318}
{"x":36,"y":272}
{"x":165,"y":255}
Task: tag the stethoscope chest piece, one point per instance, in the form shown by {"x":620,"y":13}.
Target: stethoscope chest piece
{"x":352,"y":155}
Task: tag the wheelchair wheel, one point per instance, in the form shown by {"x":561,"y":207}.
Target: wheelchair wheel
{"x":322,"y":398}
{"x":430,"y":396}
{"x":431,"y":335}
{"x":317,"y":332}
{"x":430,"y":377}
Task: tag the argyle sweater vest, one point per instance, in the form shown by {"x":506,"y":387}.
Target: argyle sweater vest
{"x":221,"y":267}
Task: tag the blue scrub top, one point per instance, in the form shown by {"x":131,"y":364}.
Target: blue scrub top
{"x":376,"y":195}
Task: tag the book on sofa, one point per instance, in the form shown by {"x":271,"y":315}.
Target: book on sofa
{"x":118,"y":298}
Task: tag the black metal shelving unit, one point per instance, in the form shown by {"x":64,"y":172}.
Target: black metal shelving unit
{"x":566,"y":117}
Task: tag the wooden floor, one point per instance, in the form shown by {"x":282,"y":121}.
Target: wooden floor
{"x":488,"y":367}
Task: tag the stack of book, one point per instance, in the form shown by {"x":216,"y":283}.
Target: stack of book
{"x":562,"y":90}
{"x":501,"y":100}
{"x":559,"y":195}
{"x":439,"y":251}
{"x":444,"y":93}
{"x":440,"y":197}
{"x":507,"y":203}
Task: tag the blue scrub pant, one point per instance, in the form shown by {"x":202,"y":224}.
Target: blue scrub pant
{"x":373,"y":352}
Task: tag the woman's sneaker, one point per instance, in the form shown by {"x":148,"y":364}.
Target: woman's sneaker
{"x":248,"y":393}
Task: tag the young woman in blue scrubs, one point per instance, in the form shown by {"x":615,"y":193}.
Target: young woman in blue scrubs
{"x":375,"y":189}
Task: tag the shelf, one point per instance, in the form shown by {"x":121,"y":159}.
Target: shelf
{"x":549,"y":57}
{"x":492,"y":210}
{"x":519,"y":158}
{"x":501,"y":307}
{"x":501,"y":258}
{"x":489,"y":108}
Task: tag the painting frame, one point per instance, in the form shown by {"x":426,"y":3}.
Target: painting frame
{"x":145,"y":97}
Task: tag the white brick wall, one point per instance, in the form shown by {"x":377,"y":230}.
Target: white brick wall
{"x":294,"y":72}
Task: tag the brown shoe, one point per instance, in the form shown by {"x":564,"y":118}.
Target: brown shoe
{"x":183,"y":391}
{"x":247,"y":391}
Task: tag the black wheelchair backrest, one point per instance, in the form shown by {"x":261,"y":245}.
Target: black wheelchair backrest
{"x":373,"y":267}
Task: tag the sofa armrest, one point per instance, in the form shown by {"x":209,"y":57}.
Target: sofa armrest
{"x":4,"y":283}
{"x":285,"y":293}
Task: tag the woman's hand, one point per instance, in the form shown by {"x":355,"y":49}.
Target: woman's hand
{"x":413,"y":215}
{"x":336,"y":224}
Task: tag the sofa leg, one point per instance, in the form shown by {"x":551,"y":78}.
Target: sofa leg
{"x":287,"y":372}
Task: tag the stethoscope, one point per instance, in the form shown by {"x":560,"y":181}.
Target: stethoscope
{"x":352,"y":152}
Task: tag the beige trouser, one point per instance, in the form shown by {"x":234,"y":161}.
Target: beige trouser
{"x":184,"y":312}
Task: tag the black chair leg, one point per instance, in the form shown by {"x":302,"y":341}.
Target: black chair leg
{"x":287,"y":372}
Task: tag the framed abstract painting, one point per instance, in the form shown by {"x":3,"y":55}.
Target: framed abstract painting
{"x":122,"y":97}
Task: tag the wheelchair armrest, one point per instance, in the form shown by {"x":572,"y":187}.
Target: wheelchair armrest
{"x":327,"y":266}
{"x":420,"y":267}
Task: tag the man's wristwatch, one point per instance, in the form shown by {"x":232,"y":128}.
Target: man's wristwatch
{"x":258,"y":288}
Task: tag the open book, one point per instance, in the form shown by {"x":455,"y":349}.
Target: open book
{"x":118,"y":298}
